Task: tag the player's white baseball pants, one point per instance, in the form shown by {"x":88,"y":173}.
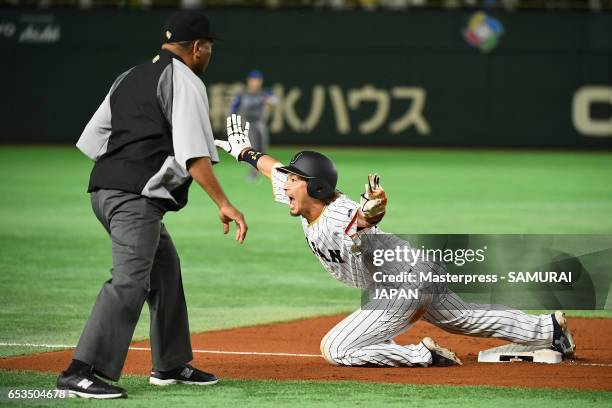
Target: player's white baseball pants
{"x":366,"y":336}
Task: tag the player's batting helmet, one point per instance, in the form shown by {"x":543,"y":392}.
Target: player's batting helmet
{"x":318,"y":170}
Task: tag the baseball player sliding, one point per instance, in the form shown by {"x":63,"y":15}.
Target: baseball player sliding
{"x":331,"y":221}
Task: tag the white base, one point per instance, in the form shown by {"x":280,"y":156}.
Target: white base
{"x":517,"y":352}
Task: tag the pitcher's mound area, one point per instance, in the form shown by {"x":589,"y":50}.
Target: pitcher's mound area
{"x":234,"y":354}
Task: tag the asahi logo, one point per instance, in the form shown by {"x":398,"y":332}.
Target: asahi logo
{"x":37,"y":33}
{"x":7,"y":29}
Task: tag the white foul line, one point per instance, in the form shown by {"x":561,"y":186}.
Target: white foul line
{"x":246,"y":353}
{"x":256,"y":353}
{"x":249,"y":353}
{"x":593,"y":364}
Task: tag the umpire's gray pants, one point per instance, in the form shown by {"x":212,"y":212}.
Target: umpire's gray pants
{"x":145,"y":267}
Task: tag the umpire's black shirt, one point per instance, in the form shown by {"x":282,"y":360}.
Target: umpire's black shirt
{"x":152,"y":121}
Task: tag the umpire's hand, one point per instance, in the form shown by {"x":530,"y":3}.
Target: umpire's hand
{"x":228,"y":214}
{"x":202,"y":172}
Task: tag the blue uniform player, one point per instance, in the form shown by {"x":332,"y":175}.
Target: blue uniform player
{"x":250,"y":104}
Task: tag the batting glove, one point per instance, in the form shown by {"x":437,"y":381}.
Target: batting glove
{"x":237,"y":137}
{"x":373,"y":200}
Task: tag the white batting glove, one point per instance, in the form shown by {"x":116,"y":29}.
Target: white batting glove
{"x":374,"y":199}
{"x":237,"y":138}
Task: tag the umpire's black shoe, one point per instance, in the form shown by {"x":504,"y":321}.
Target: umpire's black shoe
{"x":182,"y":375}
{"x":563,"y":341}
{"x":85,"y":384}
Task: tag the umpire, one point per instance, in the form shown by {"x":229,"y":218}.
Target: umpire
{"x":149,"y":138}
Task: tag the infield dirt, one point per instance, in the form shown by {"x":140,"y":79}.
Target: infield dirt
{"x":592,"y":368}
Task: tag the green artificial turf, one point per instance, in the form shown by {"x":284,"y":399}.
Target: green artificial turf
{"x":311,"y":393}
{"x":54,"y":255}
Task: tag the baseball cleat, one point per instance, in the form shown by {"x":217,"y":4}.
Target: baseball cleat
{"x":440,"y":356}
{"x":563,"y":341}
{"x":84,"y":384}
{"x":182,"y":375}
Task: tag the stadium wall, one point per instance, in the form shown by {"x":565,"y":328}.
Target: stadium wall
{"x":352,"y":77}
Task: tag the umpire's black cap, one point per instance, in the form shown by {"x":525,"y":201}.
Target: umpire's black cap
{"x":317,"y":169}
{"x":187,"y":25}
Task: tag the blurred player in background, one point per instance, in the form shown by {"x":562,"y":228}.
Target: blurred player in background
{"x":250,"y":104}
{"x":336,"y":227}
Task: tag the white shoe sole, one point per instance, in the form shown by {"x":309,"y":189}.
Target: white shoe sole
{"x":444,"y":352}
{"x":163,"y":383}
{"x":78,"y":394}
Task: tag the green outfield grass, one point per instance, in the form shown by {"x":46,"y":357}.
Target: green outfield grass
{"x":324,"y":394}
{"x":54,"y":255}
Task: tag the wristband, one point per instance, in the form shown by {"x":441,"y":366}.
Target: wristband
{"x":251,"y":156}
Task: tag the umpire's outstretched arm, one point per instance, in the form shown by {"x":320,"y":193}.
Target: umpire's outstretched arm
{"x":202,"y":172}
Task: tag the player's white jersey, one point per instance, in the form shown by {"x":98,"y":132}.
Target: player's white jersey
{"x":327,"y":238}
{"x":366,"y":336}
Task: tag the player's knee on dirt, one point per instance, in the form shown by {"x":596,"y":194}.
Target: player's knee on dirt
{"x":332,"y":358}
{"x":333,"y":353}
